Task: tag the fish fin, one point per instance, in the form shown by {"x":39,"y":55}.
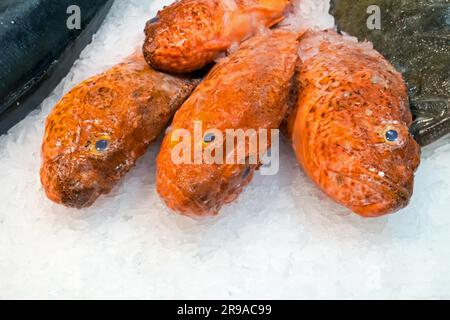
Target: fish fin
{"x":271,"y":7}
{"x":270,"y":11}
{"x":244,"y":21}
{"x":217,"y":45}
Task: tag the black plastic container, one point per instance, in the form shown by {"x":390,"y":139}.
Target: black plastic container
{"x":38,"y":47}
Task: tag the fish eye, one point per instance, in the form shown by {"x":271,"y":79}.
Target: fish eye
{"x":209,"y":137}
{"x":391,"y":135}
{"x":102,"y":145}
{"x":394,"y":134}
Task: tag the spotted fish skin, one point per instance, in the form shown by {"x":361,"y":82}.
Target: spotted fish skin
{"x":414,"y":36}
{"x":350,"y":129}
{"x":98,"y":130}
{"x":190,"y":34}
{"x":247,"y":90}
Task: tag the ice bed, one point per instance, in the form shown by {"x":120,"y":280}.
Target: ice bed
{"x":282,"y":239}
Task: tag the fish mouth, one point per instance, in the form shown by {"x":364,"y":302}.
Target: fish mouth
{"x":65,"y":188}
{"x":79,"y":198}
{"x":200,"y":199}
{"x":74,"y":194}
{"x":184,"y":202}
{"x":390,"y":196}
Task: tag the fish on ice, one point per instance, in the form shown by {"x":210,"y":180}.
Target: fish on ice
{"x":98,"y":130}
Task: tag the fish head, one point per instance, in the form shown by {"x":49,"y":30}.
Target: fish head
{"x":83,"y":154}
{"x":193,"y":176}
{"x":370,"y":163}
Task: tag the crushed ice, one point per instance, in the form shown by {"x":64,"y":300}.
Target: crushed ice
{"x":282,"y":239}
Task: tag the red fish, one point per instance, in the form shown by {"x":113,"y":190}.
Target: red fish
{"x":350,"y":130}
{"x":247,"y":90}
{"x":190,"y":34}
{"x":98,"y":130}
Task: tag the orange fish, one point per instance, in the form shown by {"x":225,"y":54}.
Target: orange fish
{"x":189,"y":34}
{"x":98,"y":130}
{"x":248,"y":90}
{"x":350,"y":130}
